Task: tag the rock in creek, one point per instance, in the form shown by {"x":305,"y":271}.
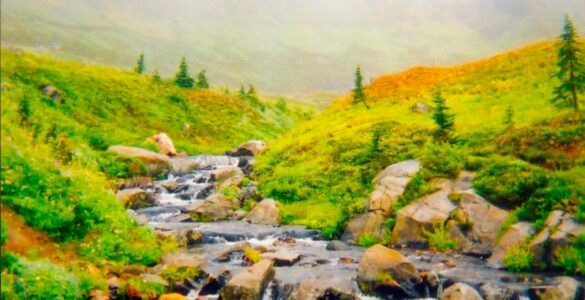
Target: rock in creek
{"x":155,"y":163}
{"x":250,"y":283}
{"x":251,"y":148}
{"x":567,"y":288}
{"x":165,"y":144}
{"x":460,"y":291}
{"x":215,"y":208}
{"x":321,"y":289}
{"x":337,"y":246}
{"x":385,"y":271}
{"x":264,"y":212}
{"x":517,"y":234}
{"x":135,"y":198}
{"x":282,"y":257}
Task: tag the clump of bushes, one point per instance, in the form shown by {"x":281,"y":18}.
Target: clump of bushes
{"x":518,"y":258}
{"x":252,"y":255}
{"x":367,"y":240}
{"x":509,"y":182}
{"x":439,"y":239}
{"x":442,"y":160}
{"x":572,"y":259}
{"x":115,"y":166}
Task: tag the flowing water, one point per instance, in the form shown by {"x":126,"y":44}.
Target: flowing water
{"x":329,"y":268}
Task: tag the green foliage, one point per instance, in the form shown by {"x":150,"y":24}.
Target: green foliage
{"x":509,"y":117}
{"x":518,"y":258}
{"x":417,"y":187}
{"x":145,"y":289}
{"x":183,"y":79}
{"x":201,"y":81}
{"x":442,"y":160}
{"x":43,"y":280}
{"x":358,"y":90}
{"x":140,"y":64}
{"x":3,"y":233}
{"x":179,"y":274}
{"x":281,"y":105}
{"x":24,"y":111}
{"x":439,"y":239}
{"x":443,"y":119}
{"x":231,"y":192}
{"x":556,"y":195}
{"x":571,"y":259}
{"x":571,"y":71}
{"x":252,"y":255}
{"x":156,"y":77}
{"x":509,"y":182}
{"x":367,"y":240}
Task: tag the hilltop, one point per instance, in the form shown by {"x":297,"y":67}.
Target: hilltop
{"x":324,"y":175}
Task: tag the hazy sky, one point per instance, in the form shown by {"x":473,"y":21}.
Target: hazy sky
{"x":282,"y":46}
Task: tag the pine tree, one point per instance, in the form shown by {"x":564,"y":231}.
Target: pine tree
{"x":358,"y":90}
{"x":156,"y":77}
{"x":140,"y":64}
{"x":242,"y":92}
{"x":251,"y":91}
{"x":444,"y":120}
{"x":182,"y":79}
{"x":509,"y":117}
{"x":571,"y":68}
{"x":202,"y":80}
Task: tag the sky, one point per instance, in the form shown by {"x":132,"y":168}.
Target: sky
{"x":286,"y":47}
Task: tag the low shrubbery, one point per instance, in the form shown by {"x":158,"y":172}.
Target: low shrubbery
{"x":518,"y":258}
{"x":439,"y":239}
{"x":572,"y":259}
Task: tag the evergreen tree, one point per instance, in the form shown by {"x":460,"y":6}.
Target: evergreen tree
{"x":358,"y":90}
{"x":571,"y":68}
{"x":202,"y":80}
{"x":509,"y":117}
{"x":156,"y":77}
{"x":140,"y":64}
{"x":24,"y":111}
{"x":375,"y":142}
{"x":183,"y":79}
{"x":444,"y":120}
{"x":251,"y":91}
{"x":242,"y":92}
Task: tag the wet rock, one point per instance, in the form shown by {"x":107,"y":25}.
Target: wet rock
{"x":250,"y":192}
{"x":566,"y":233}
{"x":345,"y":260}
{"x":183,"y":165}
{"x":52,"y":92}
{"x":224,"y":173}
{"x":224,"y":255}
{"x":560,"y":230}
{"x":386,"y":271}
{"x":337,"y":246}
{"x":251,"y":148}
{"x":460,"y":291}
{"x":114,"y":287}
{"x":135,"y":198}
{"x":155,"y":163}
{"x":239,"y":215}
{"x":247,"y":165}
{"x":205,"y":192}
{"x":264,"y":212}
{"x":463,"y":183}
{"x":215,"y":208}
{"x":390,"y":184}
{"x":214,"y":282}
{"x":152,"y":278}
{"x":421,"y":107}
{"x":140,"y":219}
{"x":492,"y":291}
{"x":518,"y":233}
{"x":183,"y":259}
{"x":484,"y":220}
{"x":422,"y":215}
{"x":189,"y":237}
{"x":567,"y":288}
{"x":367,"y":223}
{"x":282,"y":257}
{"x":321,"y":289}
{"x":249,"y":284}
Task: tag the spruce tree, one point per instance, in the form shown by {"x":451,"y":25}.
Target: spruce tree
{"x":140,"y":64}
{"x":182,"y":79}
{"x":358,"y":90}
{"x":242,"y":92}
{"x":571,"y":67}
{"x":202,"y":80}
{"x":444,"y":120}
{"x":251,"y":91}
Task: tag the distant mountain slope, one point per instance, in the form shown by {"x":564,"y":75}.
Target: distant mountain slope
{"x":330,"y":163}
{"x":281,"y":46}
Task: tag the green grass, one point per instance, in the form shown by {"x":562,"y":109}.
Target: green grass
{"x":326,"y":165}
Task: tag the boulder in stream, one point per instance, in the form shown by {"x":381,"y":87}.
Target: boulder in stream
{"x":216,"y":207}
{"x":249,"y":284}
{"x":322,"y":289}
{"x":460,"y":291}
{"x":155,"y":163}
{"x":390,"y":184}
{"x":385,"y":271}
{"x":337,"y":246}
{"x":165,"y":144}
{"x":264,"y":212}
{"x":567,"y":288}
{"x":251,"y":148}
{"x":135,"y":198}
{"x":517,"y":234}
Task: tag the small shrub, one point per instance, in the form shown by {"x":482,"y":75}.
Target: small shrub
{"x":508,"y":182}
{"x":231,"y":192}
{"x":179,"y":274}
{"x":367,"y":240}
{"x":572,"y":259}
{"x":3,"y":232}
{"x":439,"y":238}
{"x":139,"y":289}
{"x":518,"y":258}
{"x":442,"y":160}
{"x":251,"y":255}
{"x":44,"y":278}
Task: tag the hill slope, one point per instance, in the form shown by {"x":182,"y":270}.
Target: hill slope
{"x":58,"y":178}
{"x":323,"y":175}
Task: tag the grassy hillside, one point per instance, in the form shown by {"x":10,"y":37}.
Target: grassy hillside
{"x":324,"y":174}
{"x":58,"y":179}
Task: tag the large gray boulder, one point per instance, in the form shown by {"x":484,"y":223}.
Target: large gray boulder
{"x":422,"y":215}
{"x":250,"y":283}
{"x":567,"y":288}
{"x":318,"y":289}
{"x":367,"y":223}
{"x":165,"y":144}
{"x":251,"y":148}
{"x":215,"y":208}
{"x":264,"y":212}
{"x":135,"y":198}
{"x":386,"y":271}
{"x":390,"y":184}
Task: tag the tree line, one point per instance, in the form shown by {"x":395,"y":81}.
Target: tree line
{"x":183,"y":78}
